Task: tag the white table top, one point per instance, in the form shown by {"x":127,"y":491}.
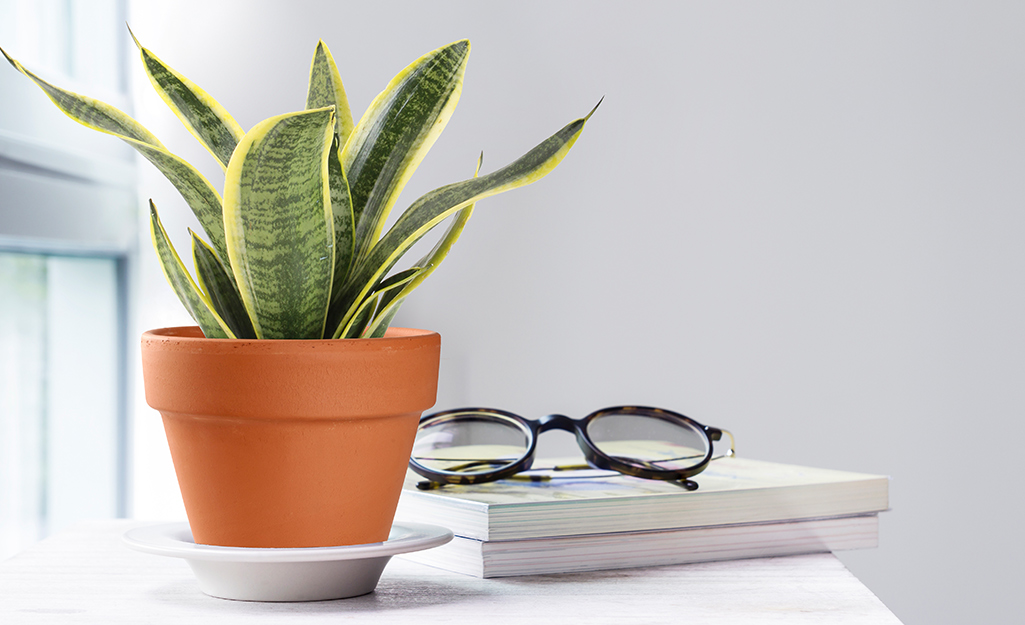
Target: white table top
{"x":86,"y":575}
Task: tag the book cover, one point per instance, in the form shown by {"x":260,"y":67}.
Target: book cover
{"x":732,"y":491}
{"x":572,"y":554}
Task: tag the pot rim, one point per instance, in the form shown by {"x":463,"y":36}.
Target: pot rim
{"x":187,"y":373}
{"x":189,"y":334}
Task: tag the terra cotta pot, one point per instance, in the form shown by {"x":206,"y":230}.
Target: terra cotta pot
{"x":290,"y":443}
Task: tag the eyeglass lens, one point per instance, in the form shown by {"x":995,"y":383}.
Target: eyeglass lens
{"x":649,"y":442}
{"x":478,"y":442}
{"x":470,"y":443}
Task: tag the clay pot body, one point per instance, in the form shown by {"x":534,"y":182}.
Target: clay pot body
{"x":290,"y":443}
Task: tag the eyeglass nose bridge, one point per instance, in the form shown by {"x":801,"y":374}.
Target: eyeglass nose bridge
{"x":556,"y":422}
{"x":566,"y":424}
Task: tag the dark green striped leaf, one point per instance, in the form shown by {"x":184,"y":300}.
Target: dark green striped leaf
{"x":207,"y":120}
{"x":433,"y":207}
{"x":360,"y":319}
{"x":366,"y":309}
{"x":279,"y":225}
{"x":194,"y":300}
{"x":326,"y":90}
{"x":341,"y":208}
{"x":383,"y":320}
{"x":197,"y":191}
{"x":89,"y":111}
{"x":396,"y":132}
{"x":202,"y":198}
{"x":388,"y":297}
{"x":391,"y":302}
{"x":220,"y":288}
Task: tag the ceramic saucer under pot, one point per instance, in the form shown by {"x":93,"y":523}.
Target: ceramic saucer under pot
{"x":305,"y":574}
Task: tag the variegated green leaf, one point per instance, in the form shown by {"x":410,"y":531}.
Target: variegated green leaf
{"x":194,"y":300}
{"x":215,"y":282}
{"x":395,"y":134}
{"x":433,"y":207}
{"x":207,"y":120}
{"x":359,"y":321}
{"x":389,"y":297}
{"x":326,"y":89}
{"x":279,"y":225}
{"x":201,"y":197}
{"x":89,"y":111}
{"x":341,"y":208}
{"x":366,"y":309}
{"x":380,"y":325}
{"x":390,"y":303}
{"x":197,"y":191}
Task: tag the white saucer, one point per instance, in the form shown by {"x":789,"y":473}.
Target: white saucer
{"x":306,"y":574}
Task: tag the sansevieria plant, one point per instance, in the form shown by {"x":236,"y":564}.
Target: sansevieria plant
{"x":296,"y":247}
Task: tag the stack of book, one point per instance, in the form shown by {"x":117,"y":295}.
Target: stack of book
{"x":743,"y":509}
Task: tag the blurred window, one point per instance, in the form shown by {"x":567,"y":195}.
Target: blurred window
{"x":67,"y":240}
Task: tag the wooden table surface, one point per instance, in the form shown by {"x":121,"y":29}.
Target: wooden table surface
{"x":87,"y":575}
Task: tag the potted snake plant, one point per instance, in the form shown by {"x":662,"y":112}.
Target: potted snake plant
{"x":291,"y":408}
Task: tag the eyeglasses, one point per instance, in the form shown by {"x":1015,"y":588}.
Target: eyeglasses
{"x":474,"y":445}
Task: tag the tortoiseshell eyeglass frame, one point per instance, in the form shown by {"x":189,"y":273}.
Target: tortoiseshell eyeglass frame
{"x":596,"y":459}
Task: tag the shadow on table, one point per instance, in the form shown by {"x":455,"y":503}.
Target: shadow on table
{"x":396,"y":594}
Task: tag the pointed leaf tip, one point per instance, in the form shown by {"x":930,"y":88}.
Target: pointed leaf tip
{"x":588,"y":116}
{"x":16,"y":65}
{"x":137,"y":44}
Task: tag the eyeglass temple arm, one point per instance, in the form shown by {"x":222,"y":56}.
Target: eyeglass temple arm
{"x":715,"y":434}
{"x":429,"y":485}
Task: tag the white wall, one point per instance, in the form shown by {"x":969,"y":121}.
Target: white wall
{"x":801,"y":221}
